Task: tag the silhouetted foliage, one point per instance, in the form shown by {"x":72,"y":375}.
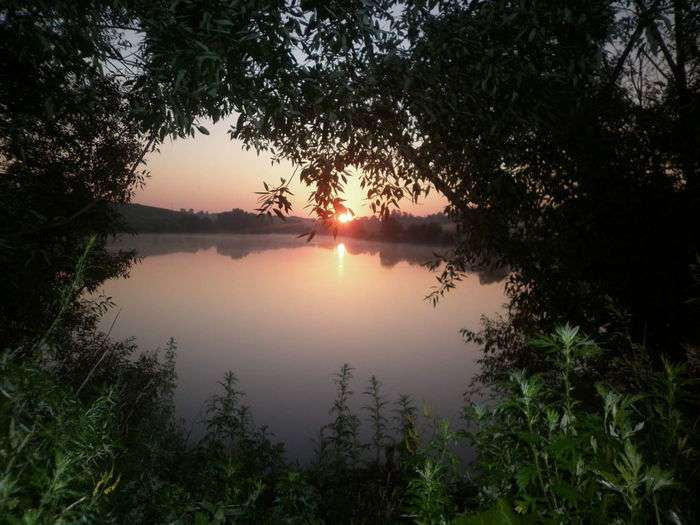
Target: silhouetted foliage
{"x":68,"y":148}
{"x":86,"y":90}
{"x":564,"y":136}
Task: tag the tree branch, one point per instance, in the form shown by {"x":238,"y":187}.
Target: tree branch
{"x":90,"y":205}
{"x":644,"y":18}
{"x":427,"y":173}
{"x":664,"y":49}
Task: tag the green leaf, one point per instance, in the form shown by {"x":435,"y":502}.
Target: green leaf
{"x":565,"y":491}
{"x":500,"y":514}
{"x":524,"y":476}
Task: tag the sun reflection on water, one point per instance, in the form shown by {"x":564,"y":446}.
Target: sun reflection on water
{"x":340,"y":250}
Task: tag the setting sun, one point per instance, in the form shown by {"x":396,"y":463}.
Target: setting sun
{"x":345,"y":217}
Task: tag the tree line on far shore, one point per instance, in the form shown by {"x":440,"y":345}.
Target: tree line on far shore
{"x":396,"y":227}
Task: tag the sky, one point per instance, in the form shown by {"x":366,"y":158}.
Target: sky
{"x":213,"y":173}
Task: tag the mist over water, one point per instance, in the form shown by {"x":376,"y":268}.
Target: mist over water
{"x":284,"y":315}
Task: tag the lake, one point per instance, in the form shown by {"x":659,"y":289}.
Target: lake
{"x":284,"y":315}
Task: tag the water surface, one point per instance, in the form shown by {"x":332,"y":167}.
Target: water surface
{"x":284,"y":315}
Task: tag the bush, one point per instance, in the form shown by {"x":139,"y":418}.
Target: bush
{"x":548,"y":453}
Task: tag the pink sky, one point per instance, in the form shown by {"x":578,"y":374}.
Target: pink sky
{"x":214,"y":174}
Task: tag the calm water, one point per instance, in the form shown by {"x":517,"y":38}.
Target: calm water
{"x":284,"y":315}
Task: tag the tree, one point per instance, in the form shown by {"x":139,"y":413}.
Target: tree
{"x":87,"y":89}
{"x":564,"y":136}
{"x":69,"y":149}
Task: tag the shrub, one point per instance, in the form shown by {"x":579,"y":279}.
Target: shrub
{"x":548,"y":453}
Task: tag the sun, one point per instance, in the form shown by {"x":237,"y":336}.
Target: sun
{"x":345,"y":217}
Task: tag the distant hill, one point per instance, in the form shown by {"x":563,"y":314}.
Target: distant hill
{"x":150,"y":219}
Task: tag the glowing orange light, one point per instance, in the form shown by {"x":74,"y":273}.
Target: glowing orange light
{"x":340,"y":250}
{"x":345,"y":217}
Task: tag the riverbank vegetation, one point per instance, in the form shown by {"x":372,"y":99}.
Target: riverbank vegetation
{"x":564,"y":137}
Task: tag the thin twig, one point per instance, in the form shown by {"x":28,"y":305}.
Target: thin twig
{"x":104,"y":354}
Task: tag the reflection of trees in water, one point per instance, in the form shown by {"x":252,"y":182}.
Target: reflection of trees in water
{"x":492,"y":275}
{"x":238,"y":246}
{"x":234,"y":246}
